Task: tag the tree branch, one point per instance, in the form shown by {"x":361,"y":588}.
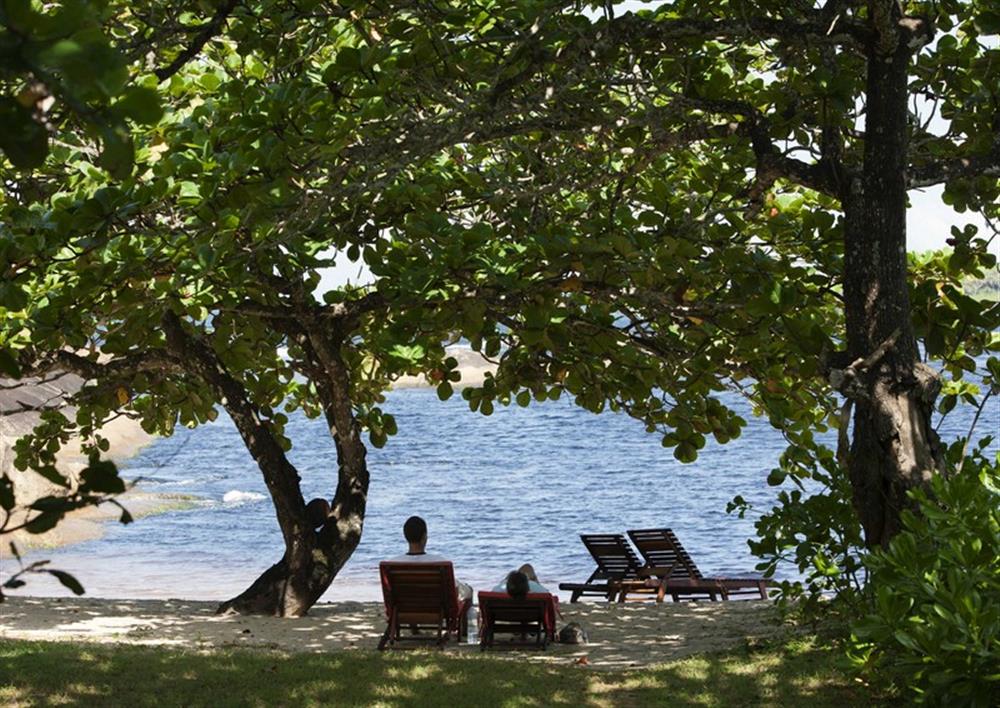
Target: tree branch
{"x":118,"y":367}
{"x":210,"y":29}
{"x":976,"y":165}
{"x":279,"y":474}
{"x":816,"y":28}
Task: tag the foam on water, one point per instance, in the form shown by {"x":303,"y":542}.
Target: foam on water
{"x":235,"y":496}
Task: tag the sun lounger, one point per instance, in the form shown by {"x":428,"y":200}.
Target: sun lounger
{"x":663,"y":550}
{"x":535,"y":615}
{"x":421,"y":596}
{"x":619,"y":571}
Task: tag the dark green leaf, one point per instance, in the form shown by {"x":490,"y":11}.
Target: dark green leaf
{"x":67,"y":580}
{"x":23,"y":140}
{"x":101,"y":476}
{"x":141,"y":104}
{"x":6,"y":493}
{"x":8,"y":365}
{"x":118,"y":153}
{"x":45,"y":521}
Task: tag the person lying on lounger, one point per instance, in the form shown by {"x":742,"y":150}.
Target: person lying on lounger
{"x":520,"y":582}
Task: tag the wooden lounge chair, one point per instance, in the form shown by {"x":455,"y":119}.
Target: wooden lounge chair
{"x":619,"y":571}
{"x":421,"y":596}
{"x":534,"y":615}
{"x":662,"y":550}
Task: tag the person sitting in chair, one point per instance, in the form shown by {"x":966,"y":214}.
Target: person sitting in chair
{"x":415,"y":533}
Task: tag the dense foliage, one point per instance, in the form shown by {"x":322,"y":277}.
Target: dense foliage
{"x":935,"y":627}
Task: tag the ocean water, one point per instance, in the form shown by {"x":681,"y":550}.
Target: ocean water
{"x":518,"y":486}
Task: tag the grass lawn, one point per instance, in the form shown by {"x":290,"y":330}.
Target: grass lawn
{"x":801,"y":672}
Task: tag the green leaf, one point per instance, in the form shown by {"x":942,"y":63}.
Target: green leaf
{"x":67,"y":580}
{"x":8,"y":365}
{"x":45,"y":521}
{"x":206,"y":256}
{"x":349,"y":58}
{"x":118,"y":152}
{"x":988,"y":22}
{"x":141,"y":104}
{"x":444,"y":390}
{"x":24,"y":141}
{"x":54,"y":503}
{"x":210,"y":82}
{"x":6,"y":493}
{"x":686,"y":453}
{"x":101,"y":476}
{"x":189,"y":193}
{"x":19,"y":15}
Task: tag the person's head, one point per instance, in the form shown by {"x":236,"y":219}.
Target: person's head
{"x":317,"y":510}
{"x":415,"y":532}
{"x":517,"y":585}
{"x":529,"y":570}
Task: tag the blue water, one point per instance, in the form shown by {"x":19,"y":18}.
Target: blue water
{"x":519,"y":486}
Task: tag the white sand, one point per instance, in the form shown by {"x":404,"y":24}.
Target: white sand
{"x":621,"y":636}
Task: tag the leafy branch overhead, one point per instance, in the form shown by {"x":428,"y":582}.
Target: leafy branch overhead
{"x":637,"y":211}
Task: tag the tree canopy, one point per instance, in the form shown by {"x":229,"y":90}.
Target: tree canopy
{"x":636,"y":210}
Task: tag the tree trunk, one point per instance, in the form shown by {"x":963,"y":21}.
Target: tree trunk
{"x":894,"y":448}
{"x":294,"y":584}
{"x":312,"y":558}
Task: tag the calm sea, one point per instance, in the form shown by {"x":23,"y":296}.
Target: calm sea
{"x":518,"y":486}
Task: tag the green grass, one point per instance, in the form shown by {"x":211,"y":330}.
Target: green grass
{"x":801,"y":672}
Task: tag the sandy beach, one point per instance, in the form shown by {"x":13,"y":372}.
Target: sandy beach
{"x":621,"y":636}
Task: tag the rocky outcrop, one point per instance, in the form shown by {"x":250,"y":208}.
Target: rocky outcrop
{"x":21,"y":404}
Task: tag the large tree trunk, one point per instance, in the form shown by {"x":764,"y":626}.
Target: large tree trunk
{"x":294,"y":584}
{"x":312,"y":558}
{"x":894,"y":448}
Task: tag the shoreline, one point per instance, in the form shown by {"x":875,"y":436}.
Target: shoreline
{"x":621,"y":636}
{"x":127,"y":439}
{"x":472,"y":365}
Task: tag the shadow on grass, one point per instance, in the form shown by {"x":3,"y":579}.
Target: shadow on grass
{"x":798,"y":673}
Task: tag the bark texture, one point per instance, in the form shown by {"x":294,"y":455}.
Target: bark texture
{"x":312,"y":558}
{"x":894,"y":447}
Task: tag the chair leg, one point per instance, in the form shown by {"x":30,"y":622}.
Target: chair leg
{"x":443,"y":632}
{"x":391,"y":632}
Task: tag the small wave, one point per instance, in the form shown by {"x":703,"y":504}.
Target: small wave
{"x":235,"y":496}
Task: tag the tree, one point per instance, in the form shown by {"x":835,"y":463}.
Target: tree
{"x":187,"y":281}
{"x":724,"y":139}
{"x":614,"y":208}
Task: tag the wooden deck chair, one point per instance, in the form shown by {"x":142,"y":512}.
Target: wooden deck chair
{"x":663,"y":550}
{"x":534,"y":615}
{"x":619,"y":571}
{"x":421,"y":596}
